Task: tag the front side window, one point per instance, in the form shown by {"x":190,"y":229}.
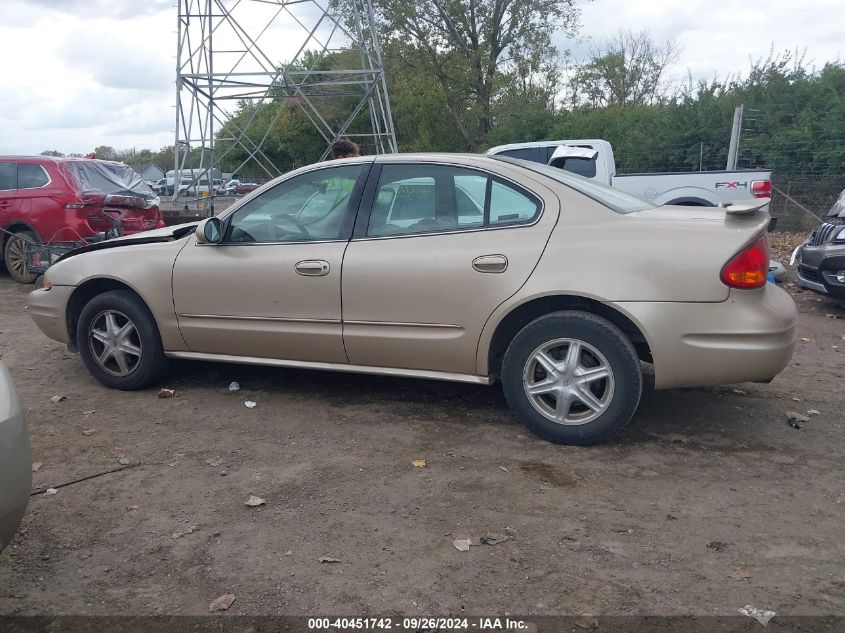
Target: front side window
{"x":31,"y":176}
{"x":435,"y":198}
{"x":308,"y":207}
{"x":8,"y":176}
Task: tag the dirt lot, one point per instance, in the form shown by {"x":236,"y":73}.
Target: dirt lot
{"x":709,"y":502}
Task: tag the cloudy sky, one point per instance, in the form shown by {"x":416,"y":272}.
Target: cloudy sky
{"x":83,"y":73}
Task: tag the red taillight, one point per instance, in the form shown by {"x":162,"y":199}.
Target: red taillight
{"x":761,"y":188}
{"x":749,"y":268}
{"x":69,"y":201}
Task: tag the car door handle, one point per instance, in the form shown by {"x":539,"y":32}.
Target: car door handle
{"x":312,"y":268}
{"x":490,"y":264}
{"x":5,"y":204}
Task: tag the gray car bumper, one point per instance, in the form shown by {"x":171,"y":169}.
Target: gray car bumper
{"x":817,"y":268}
{"x":15,"y":460}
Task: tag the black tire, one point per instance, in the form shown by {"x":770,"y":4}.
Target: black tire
{"x":602,"y":343}
{"x":15,"y":257}
{"x":152,"y":363}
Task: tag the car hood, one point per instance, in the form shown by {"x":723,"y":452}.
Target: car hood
{"x":166,"y":234}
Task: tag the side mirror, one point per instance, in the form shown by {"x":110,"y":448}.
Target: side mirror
{"x":210,"y":231}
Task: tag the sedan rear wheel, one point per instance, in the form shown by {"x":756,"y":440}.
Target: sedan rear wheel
{"x":568,"y":381}
{"x":119,"y":341}
{"x":15,"y":256}
{"x":572,"y":378}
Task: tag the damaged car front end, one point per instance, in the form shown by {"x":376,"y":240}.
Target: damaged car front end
{"x":821,"y":260}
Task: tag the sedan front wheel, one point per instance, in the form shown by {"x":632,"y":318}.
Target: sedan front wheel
{"x":119,"y":341}
{"x":572,"y":378}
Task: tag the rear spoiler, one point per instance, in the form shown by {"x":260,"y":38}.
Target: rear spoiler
{"x":742,"y":208}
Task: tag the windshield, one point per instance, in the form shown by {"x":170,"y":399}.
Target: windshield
{"x":101,"y":177}
{"x":612,"y":198}
{"x":838,"y":208}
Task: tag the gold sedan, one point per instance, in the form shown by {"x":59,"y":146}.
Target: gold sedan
{"x":454,"y":267}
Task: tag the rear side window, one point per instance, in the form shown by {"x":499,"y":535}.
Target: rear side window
{"x":613,"y":199}
{"x":31,"y":176}
{"x":8,"y":176}
{"x":509,"y":206}
{"x":413,"y":199}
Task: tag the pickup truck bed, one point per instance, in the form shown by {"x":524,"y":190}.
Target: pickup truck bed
{"x":691,"y":188}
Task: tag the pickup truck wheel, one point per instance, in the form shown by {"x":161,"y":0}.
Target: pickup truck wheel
{"x":119,"y":341}
{"x":572,"y":378}
{"x":15,"y":258}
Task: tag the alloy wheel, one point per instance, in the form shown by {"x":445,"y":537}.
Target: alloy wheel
{"x":16,"y":257}
{"x":115,"y":343}
{"x":568,"y":381}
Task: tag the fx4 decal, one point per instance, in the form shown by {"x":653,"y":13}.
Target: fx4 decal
{"x":732,"y":185}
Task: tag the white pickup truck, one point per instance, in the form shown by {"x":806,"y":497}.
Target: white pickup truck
{"x":593,"y":158}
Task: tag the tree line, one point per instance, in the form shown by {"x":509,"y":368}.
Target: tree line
{"x":465,"y":75}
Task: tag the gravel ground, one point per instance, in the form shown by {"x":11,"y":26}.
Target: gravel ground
{"x":708,"y":502}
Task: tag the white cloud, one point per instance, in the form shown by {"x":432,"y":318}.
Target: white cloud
{"x":82,"y":73}
{"x":718,"y":38}
{"x":120,"y":9}
{"x":75,"y":78}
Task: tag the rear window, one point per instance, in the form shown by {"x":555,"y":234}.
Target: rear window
{"x":534,"y":154}
{"x":107,"y":178}
{"x":608,"y":196}
{"x":585,"y":167}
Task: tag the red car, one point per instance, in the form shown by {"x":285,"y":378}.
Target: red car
{"x":46,"y":199}
{"x":246,"y":187}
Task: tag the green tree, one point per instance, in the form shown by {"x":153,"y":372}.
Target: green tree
{"x":105,"y":152}
{"x":628,"y":69}
{"x":467,"y":46}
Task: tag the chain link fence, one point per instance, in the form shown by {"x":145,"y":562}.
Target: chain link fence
{"x":800,"y":203}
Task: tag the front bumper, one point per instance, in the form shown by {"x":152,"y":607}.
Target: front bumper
{"x":48,"y":307}
{"x":817,"y":267}
{"x":747,"y":338}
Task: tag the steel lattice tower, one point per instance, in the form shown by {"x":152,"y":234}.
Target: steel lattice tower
{"x":237,"y":52}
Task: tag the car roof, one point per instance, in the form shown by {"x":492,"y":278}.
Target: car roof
{"x":57,"y":159}
{"x":425,"y":157}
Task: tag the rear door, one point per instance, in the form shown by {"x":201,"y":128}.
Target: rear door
{"x":436,"y":248}
{"x":37,"y":204}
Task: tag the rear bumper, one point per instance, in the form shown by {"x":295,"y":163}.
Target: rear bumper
{"x":47,"y":308}
{"x":748,"y":338}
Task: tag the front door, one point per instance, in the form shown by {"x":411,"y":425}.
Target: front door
{"x":443,"y":247}
{"x":8,"y":187}
{"x":271,"y":289}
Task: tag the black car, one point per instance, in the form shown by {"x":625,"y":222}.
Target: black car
{"x":821,"y":260}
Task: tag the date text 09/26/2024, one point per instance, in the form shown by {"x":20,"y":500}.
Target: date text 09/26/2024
{"x":416,"y":624}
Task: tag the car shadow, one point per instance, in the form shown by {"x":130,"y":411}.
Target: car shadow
{"x":688,"y":416}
